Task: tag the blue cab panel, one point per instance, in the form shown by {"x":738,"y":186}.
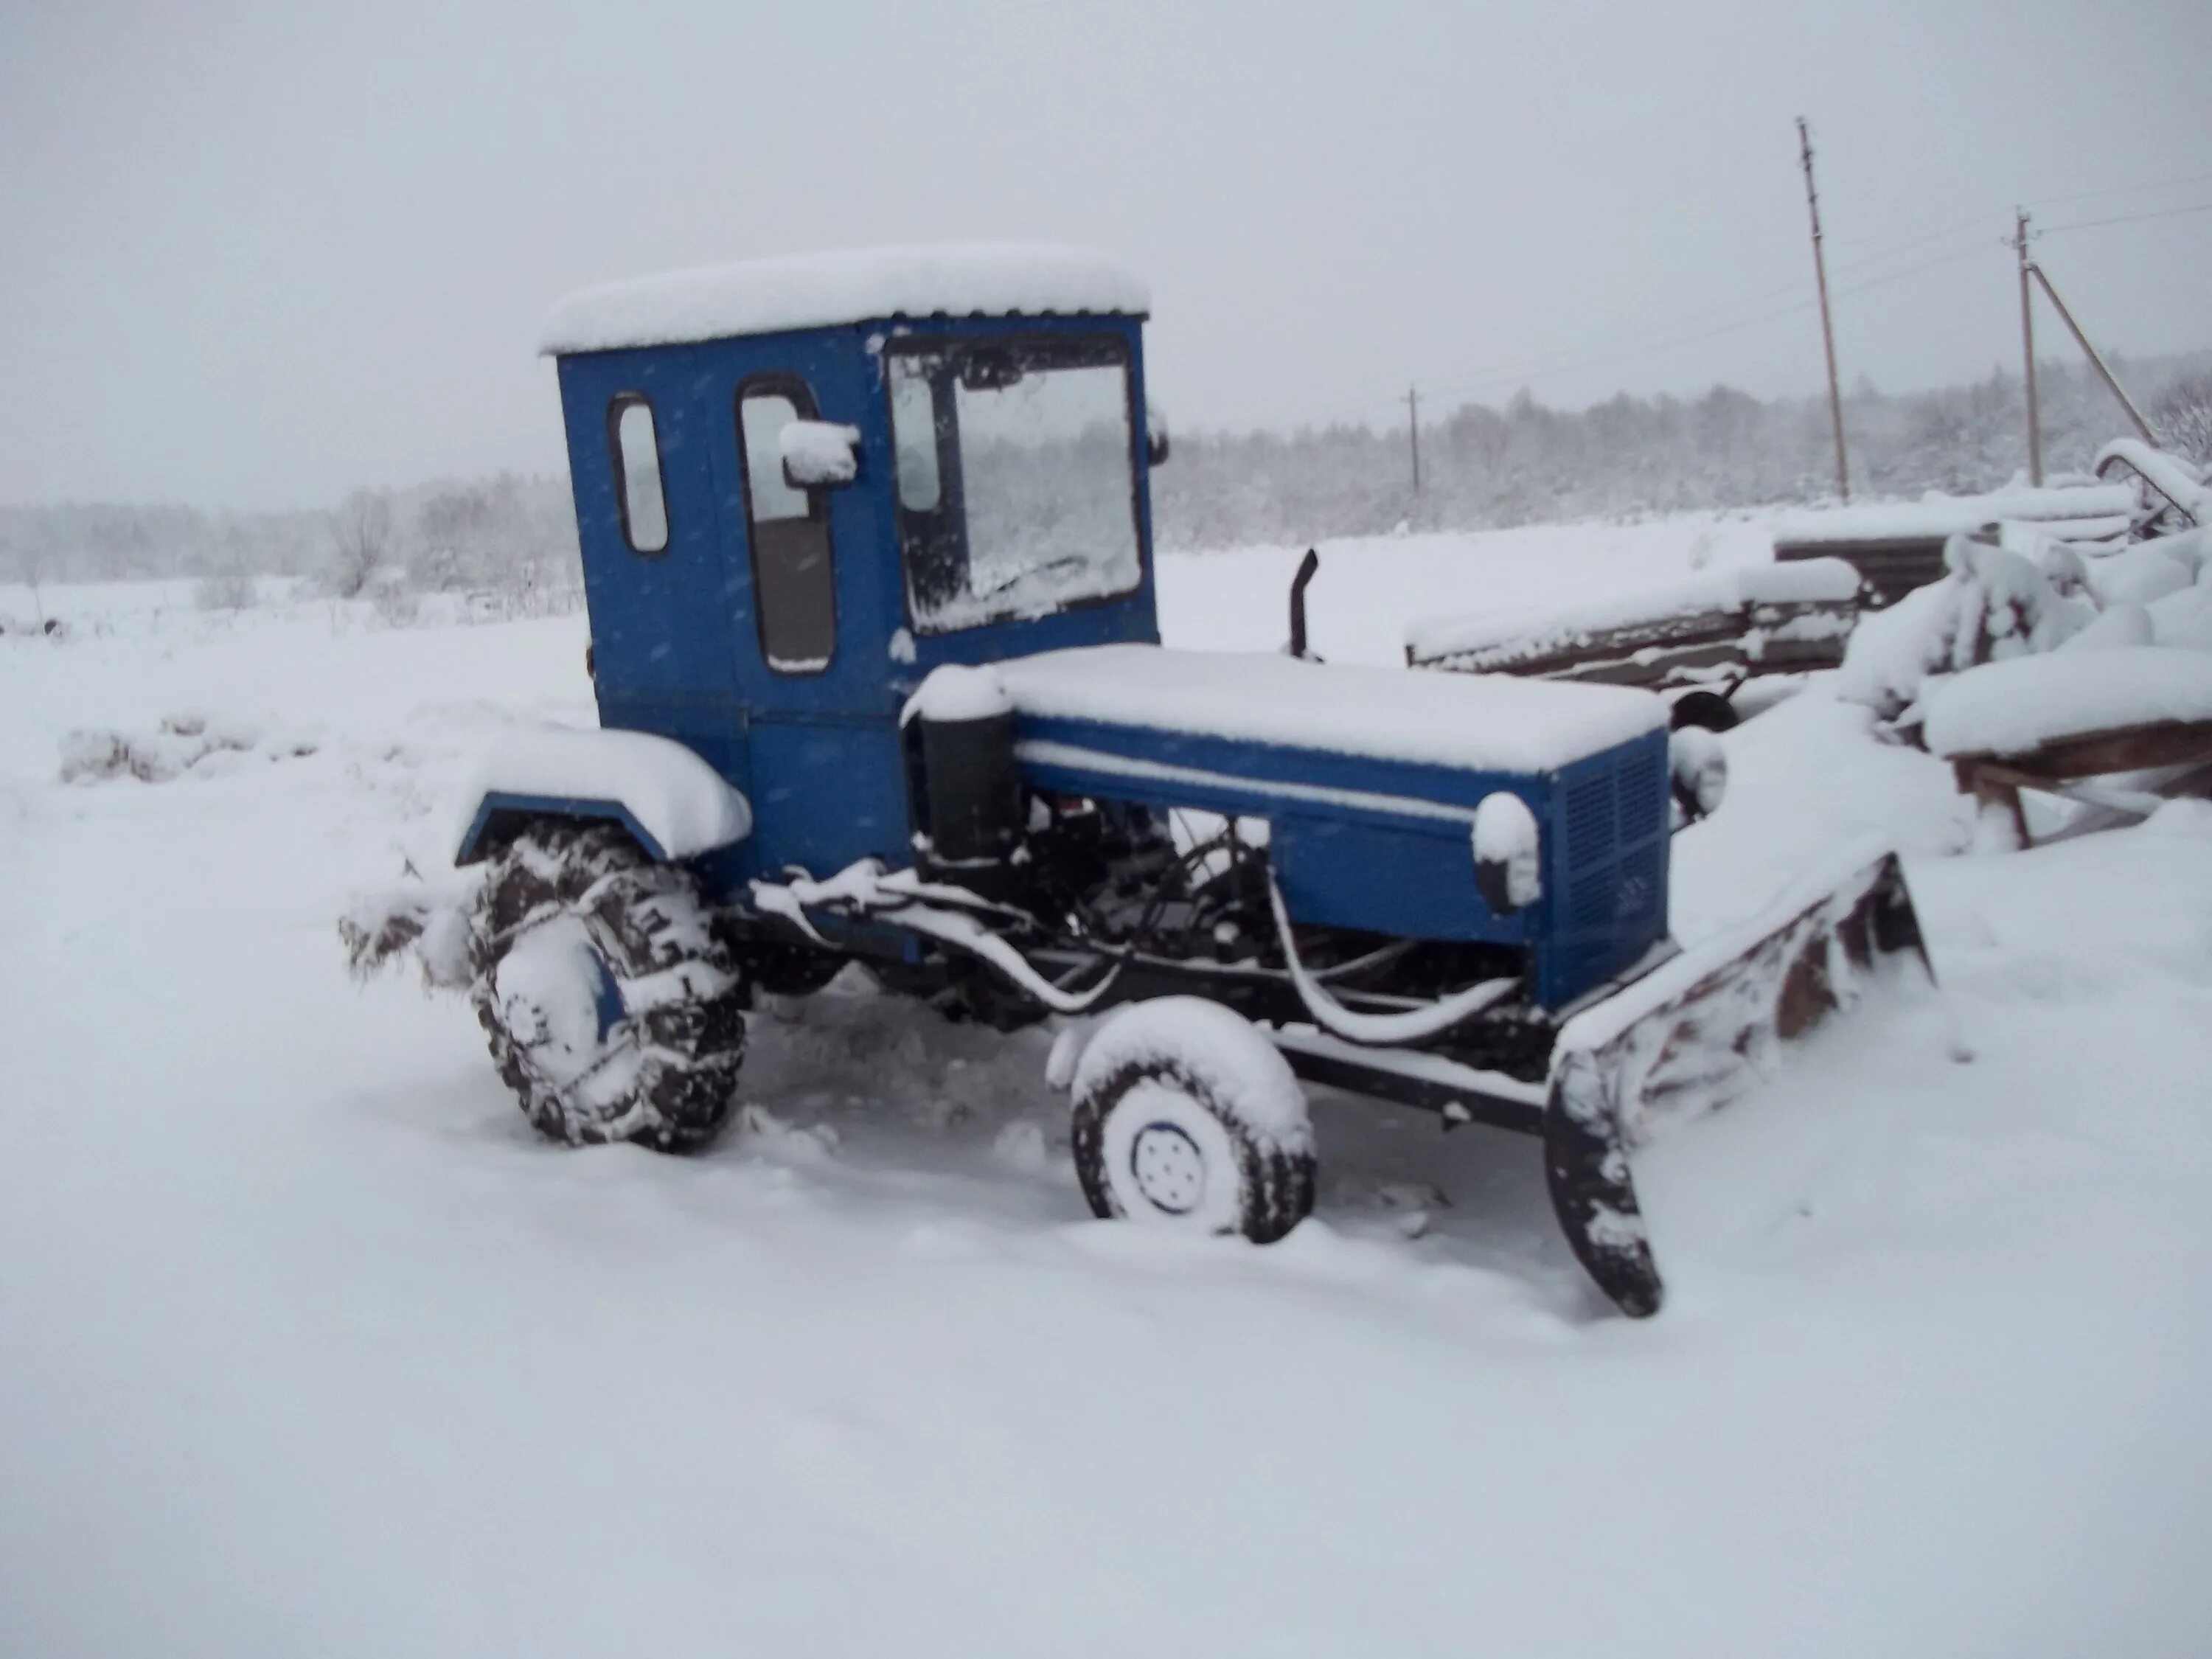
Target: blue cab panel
{"x":677,"y":633}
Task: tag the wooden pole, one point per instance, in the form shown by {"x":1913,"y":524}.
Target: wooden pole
{"x":1827,"y":325}
{"x":1413,"y":434}
{"x":2111,"y":382}
{"x":2028,"y":350}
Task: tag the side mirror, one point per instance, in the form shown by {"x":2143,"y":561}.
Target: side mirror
{"x":1156,"y":435}
{"x":819,"y":452}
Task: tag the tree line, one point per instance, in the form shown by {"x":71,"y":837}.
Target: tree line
{"x":1485,"y":467}
{"x":514,"y":537}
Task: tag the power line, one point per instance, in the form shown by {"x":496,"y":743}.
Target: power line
{"x":1979,"y":222}
{"x":1952,"y":257}
{"x":2121,"y":190}
{"x":1574,"y":357}
{"x":2128,"y":219}
{"x":1727,"y":318}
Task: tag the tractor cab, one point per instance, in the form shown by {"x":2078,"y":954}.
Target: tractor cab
{"x":801,"y":484}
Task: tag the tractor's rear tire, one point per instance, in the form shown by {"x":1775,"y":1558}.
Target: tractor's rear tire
{"x":612,"y":1009}
{"x":1187,"y":1118}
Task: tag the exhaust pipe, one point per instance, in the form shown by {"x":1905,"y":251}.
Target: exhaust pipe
{"x":1307,"y":566}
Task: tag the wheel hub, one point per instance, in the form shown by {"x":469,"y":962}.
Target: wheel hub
{"x":1169,"y":1169}
{"x":557,"y":997}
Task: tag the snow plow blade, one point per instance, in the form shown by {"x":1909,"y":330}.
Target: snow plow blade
{"x":1696,"y":1032}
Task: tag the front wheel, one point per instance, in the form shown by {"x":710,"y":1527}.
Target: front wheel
{"x":1186,"y":1117}
{"x":612,"y":1009}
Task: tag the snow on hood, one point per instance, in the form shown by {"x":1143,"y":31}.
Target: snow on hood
{"x":1482,"y":722}
{"x":816,"y":290}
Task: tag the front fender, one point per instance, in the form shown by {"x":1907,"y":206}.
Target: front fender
{"x":673,"y":803}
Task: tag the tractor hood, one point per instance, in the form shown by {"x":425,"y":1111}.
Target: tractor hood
{"x":1489,"y":724}
{"x":1370,"y":783}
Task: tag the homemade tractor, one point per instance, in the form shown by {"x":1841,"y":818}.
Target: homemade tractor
{"x":866,"y":542}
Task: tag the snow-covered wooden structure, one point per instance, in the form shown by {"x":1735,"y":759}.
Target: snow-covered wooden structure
{"x":1711,"y":632}
{"x":1899,"y":546}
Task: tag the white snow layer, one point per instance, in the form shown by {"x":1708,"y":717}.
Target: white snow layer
{"x":1792,"y":581}
{"x":2141,"y":574}
{"x":310,"y":1347}
{"x":2007,"y":708}
{"x":1483,"y":721}
{"x":814,"y":290}
{"x":1939,"y":515}
{"x":819,"y":451}
{"x":676,"y":797}
{"x":954,"y":692}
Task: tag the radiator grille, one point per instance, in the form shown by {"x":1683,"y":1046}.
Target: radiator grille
{"x":1642,"y":796}
{"x":1613,"y":813}
{"x":1591,"y":827}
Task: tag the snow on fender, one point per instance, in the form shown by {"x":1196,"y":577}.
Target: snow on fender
{"x":1699,"y":767}
{"x":675,"y":804}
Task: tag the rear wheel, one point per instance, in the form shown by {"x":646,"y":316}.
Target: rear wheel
{"x":1186,"y":1117}
{"x":611,"y":1009}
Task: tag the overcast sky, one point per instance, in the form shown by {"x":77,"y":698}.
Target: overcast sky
{"x":256,"y":254}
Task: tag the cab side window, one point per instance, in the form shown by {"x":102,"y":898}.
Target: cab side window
{"x":794,"y":587}
{"x":634,"y":446}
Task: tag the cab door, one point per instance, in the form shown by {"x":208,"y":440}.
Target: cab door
{"x":642,"y":466}
{"x":828,"y":786}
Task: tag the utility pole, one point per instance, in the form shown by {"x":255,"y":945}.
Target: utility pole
{"x":1827,"y":327}
{"x":2019,"y":245}
{"x":1413,"y":433}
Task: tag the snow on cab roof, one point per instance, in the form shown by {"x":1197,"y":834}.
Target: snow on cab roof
{"x":817,"y":290}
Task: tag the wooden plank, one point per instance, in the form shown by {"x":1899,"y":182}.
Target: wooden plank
{"x":2123,"y":749}
{"x":1891,"y":565}
{"x":2060,"y":767}
{"x":1672,"y":650}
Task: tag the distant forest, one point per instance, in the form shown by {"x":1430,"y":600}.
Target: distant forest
{"x":1482,"y":467}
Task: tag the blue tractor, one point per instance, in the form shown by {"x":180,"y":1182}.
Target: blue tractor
{"x":867,"y":547}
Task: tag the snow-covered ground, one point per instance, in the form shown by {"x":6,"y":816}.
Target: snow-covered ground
{"x":307,"y":1346}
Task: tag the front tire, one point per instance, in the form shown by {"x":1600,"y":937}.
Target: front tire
{"x":611,"y":1009}
{"x":1187,"y":1118}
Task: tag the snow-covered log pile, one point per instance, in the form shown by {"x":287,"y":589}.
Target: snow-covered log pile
{"x":2011,"y":708}
{"x":1899,"y":546}
{"x":2010,"y":593}
{"x":1752,"y":618}
{"x":2070,"y":513}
